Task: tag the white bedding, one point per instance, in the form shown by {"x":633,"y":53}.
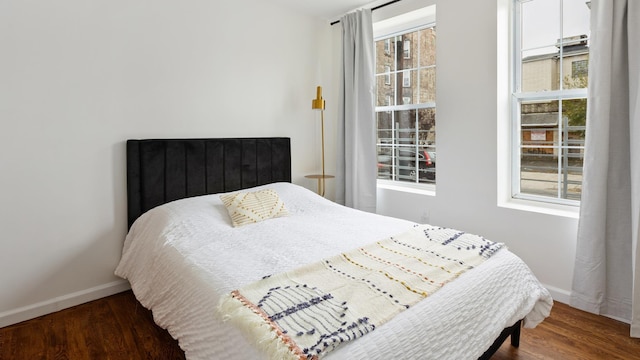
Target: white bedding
{"x":182,"y":256}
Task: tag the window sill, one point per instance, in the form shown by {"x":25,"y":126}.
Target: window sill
{"x":567,"y":211}
{"x":421,"y":189}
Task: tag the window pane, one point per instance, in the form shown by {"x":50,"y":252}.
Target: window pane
{"x":540,"y":23}
{"x":413,"y":164}
{"x":552,"y":150}
{"x":575,"y":62}
{"x":576,"y":71}
{"x":543,"y":44}
{"x":571,"y":182}
{"x":539,"y":150}
{"x":574,"y":111}
{"x":385,"y":144}
{"x":405,"y":156}
{"x":385,"y":162}
{"x":574,"y":115}
{"x":427,"y":128}
{"x":540,"y":71}
{"x":385,"y":59}
{"x":534,"y":181}
{"x":427,"y":142}
{"x":385,"y":127}
{"x":405,"y":122}
{"x":409,"y":93}
{"x":563,"y":180}
{"x":428,"y":85}
{"x":575,"y":18}
{"x":406,"y":45}
{"x":427,"y":46}
{"x":385,"y":85}
{"x":539,"y":126}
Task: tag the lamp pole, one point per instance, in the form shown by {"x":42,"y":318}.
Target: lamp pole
{"x":319,"y":104}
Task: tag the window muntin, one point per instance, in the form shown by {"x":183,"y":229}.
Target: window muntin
{"x":549,"y":99}
{"x":406,"y":123}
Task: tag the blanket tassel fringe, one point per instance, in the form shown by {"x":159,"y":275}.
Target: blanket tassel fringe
{"x":255,"y":327}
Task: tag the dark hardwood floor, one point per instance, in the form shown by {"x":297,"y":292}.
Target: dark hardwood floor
{"x":118,"y":327}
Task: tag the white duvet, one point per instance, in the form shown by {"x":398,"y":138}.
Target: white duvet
{"x":182,"y":256}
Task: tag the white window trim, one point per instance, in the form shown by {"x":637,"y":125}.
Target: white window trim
{"x":421,"y":189}
{"x":421,"y":18}
{"x":505,"y":131}
{"x":411,"y":19}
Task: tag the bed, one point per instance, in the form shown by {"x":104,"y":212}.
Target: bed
{"x":182,"y":255}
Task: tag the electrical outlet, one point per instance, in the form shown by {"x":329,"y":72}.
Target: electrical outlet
{"x":424,"y":218}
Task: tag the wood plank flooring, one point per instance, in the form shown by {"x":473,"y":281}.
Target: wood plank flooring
{"x":118,"y":327}
{"x":573,"y":334}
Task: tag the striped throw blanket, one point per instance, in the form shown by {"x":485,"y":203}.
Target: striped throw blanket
{"x":307,"y":312}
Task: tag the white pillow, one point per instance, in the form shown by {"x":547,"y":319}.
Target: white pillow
{"x":252,"y":207}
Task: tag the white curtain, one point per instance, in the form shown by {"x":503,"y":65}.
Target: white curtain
{"x":356,"y":164}
{"x":607,"y":270}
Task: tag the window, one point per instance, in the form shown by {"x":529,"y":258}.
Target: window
{"x":406,"y":78}
{"x":549,"y":99}
{"x":579,"y":69}
{"x":405,"y":105}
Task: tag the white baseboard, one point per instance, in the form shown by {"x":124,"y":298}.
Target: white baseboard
{"x":564,"y":297}
{"x":559,"y":295}
{"x":62,"y":302}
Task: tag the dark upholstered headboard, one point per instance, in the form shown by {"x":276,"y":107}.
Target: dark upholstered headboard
{"x":163,"y":170}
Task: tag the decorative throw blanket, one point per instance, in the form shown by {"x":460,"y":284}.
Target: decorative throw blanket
{"x":307,"y":312}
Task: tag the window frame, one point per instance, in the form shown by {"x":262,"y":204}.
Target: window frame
{"x":416,"y":187}
{"x":518,"y":97}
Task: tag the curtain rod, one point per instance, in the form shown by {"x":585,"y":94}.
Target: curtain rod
{"x":373,"y":8}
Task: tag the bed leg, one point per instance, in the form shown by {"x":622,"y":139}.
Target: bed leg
{"x":515,"y":335}
{"x":512,"y":331}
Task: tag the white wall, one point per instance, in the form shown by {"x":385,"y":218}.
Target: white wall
{"x":468,"y":112}
{"x":78,"y":78}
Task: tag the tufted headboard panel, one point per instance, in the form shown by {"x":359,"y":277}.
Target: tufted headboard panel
{"x":163,"y":170}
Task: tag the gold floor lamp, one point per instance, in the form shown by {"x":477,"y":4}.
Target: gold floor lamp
{"x":319,"y":104}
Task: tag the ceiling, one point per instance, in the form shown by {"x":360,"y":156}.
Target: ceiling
{"x":327,"y":9}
